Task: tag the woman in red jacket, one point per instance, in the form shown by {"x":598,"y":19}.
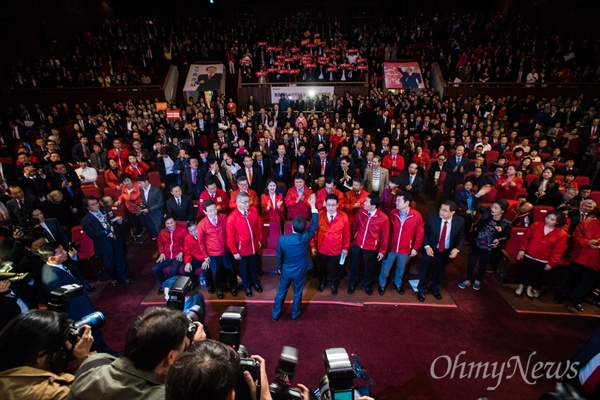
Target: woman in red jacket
{"x":543,"y":247}
{"x":508,"y":185}
{"x":131,"y":195}
{"x":112,"y":174}
{"x":271,"y":203}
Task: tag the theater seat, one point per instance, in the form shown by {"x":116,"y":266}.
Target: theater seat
{"x":510,"y":251}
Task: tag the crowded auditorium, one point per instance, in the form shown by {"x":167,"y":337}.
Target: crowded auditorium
{"x":368,"y":187}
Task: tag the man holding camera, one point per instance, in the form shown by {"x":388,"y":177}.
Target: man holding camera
{"x":154,"y":341}
{"x":293,"y":260}
{"x":108,"y":241}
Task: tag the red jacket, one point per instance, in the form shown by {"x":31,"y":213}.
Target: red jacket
{"x":212,"y":240}
{"x":112,"y":180}
{"x":546,"y":248}
{"x":581,"y":252}
{"x":244,"y":234}
{"x":191,"y":249}
{"x":254,"y":202}
{"x":302,"y":208}
{"x":350,"y":199}
{"x":388,"y":161}
{"x":171,"y":243}
{"x":331,"y":239}
{"x":371,"y":233}
{"x":120,"y":158}
{"x":221,"y":199}
{"x":139,"y":169}
{"x":408,"y":236}
{"x":322,"y":193}
{"x":274,"y":213}
{"x":507,"y":191}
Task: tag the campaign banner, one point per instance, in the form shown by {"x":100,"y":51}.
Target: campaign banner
{"x":204,"y":77}
{"x":173,"y":115}
{"x":403,"y":76}
{"x":293,"y":92}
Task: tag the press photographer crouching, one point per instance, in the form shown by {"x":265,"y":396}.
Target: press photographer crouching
{"x":36,"y":348}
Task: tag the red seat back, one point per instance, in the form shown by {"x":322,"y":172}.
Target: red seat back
{"x":516,"y":240}
{"x":540,"y":212}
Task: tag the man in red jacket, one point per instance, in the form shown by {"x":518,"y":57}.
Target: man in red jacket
{"x":244,"y":233}
{"x":394,"y":162}
{"x":371,"y":232}
{"x":406,"y":240}
{"x":296,"y":199}
{"x":332,"y":242}
{"x":584,"y":268}
{"x":244,"y":187}
{"x":355,"y":199}
{"x":212,"y":243}
{"x":170,"y":247}
{"x":218,"y":196}
{"x":329,"y":189}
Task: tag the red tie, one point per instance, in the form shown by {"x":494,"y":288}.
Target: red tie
{"x":442,"y":243}
{"x":322,"y":167}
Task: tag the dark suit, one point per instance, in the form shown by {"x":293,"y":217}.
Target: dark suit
{"x":54,"y":232}
{"x":54,"y":277}
{"x":265,"y":169}
{"x":189,"y":187}
{"x":293,"y":260}
{"x":183,"y":212}
{"x":212,"y":84}
{"x":454,"y":178}
{"x":78,"y":152}
{"x":316,"y":167}
{"x":156,"y":210}
{"x":17,"y":212}
{"x":223,"y":175}
{"x":440,"y":260}
{"x":257,"y":182}
{"x":416,"y":186}
{"x":282,"y":173}
{"x":111,"y":249}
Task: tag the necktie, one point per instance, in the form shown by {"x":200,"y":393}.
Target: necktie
{"x":246,"y":214}
{"x":410,"y":180}
{"x":260,"y":164}
{"x":85,"y":151}
{"x":330,"y":219}
{"x":214,"y":221}
{"x":192,"y":139}
{"x":179,"y":202}
{"x":249,"y":173}
{"x":69,"y":190}
{"x":457,"y":161}
{"x":194,"y":176}
{"x":48,"y":230}
{"x":442,"y":243}
{"x":322,"y":167}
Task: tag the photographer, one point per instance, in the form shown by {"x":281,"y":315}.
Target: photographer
{"x":32,"y":364}
{"x":210,"y":370}
{"x":154,"y":341}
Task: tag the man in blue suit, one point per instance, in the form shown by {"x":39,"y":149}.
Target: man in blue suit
{"x":293,"y":260}
{"x":56,"y":274}
{"x":108,"y":241}
{"x":444,"y":236}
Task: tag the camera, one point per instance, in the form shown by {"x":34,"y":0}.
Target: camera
{"x":231,"y":326}
{"x":280,"y":389}
{"x":58,"y":299}
{"x":95,"y":320}
{"x":191,"y":306}
{"x":337,"y":384}
{"x":26,"y":224}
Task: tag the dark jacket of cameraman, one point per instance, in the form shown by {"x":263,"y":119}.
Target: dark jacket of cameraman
{"x":102,"y":376}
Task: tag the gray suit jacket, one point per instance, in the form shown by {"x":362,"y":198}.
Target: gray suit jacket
{"x":156,"y":206}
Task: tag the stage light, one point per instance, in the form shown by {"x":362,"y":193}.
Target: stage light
{"x":311,"y":93}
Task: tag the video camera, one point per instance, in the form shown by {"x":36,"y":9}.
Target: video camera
{"x":231,"y":326}
{"x":192,"y":306}
{"x":26,"y":224}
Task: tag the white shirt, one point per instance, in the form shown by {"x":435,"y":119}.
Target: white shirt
{"x":89,"y":174}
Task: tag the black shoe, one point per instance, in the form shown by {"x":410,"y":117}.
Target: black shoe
{"x":334,"y":290}
{"x":437,"y":296}
{"x":558,"y":299}
{"x":322,"y":287}
{"x":220,"y":294}
{"x":579,"y":307}
{"x":234,"y":292}
{"x":369,"y":291}
{"x":161,"y":290}
{"x":381,"y":291}
{"x":248,"y":292}
{"x":275,"y":319}
{"x":258,"y":288}
{"x":400,"y":289}
{"x":211,"y":290}
{"x":351,"y":289}
{"x":421,"y":297}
